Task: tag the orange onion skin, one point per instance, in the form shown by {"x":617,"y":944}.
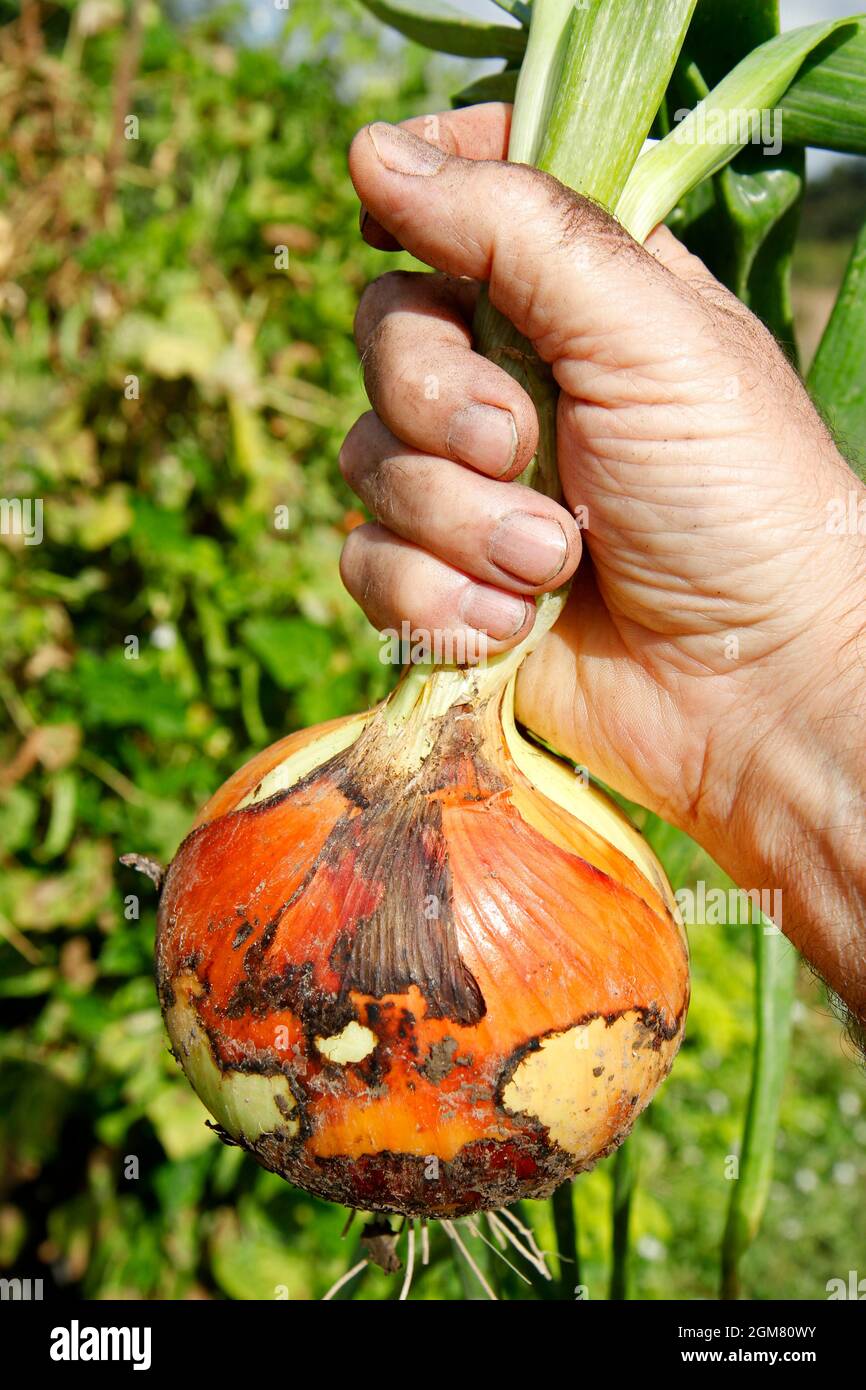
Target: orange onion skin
{"x":460,"y":994}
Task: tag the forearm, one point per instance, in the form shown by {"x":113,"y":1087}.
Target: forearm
{"x":796,"y":822}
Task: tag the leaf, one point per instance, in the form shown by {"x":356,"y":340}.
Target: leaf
{"x":825,"y":105}
{"x":33,"y":1104}
{"x":41,"y":902}
{"x":292,"y":651}
{"x":178,"y":1117}
{"x":774,"y":199}
{"x":620,"y":57}
{"x":521,"y":9}
{"x":721,"y":34}
{"x":186,"y":342}
{"x":496,"y":86}
{"x":251,"y":1260}
{"x":116,"y":693}
{"x":743,"y":223}
{"x":714,"y":132}
{"x":19,"y":809}
{"x":837,"y":379}
{"x":440,"y":26}
{"x":776,"y":965}
{"x":91,"y":521}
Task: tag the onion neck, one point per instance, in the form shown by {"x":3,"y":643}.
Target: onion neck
{"x":427,"y":691}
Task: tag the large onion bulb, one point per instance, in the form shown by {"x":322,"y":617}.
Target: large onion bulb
{"x":413,"y":964}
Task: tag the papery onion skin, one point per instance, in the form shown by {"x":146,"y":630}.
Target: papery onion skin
{"x":414,"y":981}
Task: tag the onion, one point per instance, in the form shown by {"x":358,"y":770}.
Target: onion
{"x":411,"y":963}
{"x":407,"y":959}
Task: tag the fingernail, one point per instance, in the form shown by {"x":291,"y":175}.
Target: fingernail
{"x":485,"y":437}
{"x":499,"y":615}
{"x":403,"y":152}
{"x":532,"y":548}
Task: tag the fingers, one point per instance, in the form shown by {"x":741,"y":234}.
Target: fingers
{"x":558,"y":266}
{"x":395,"y":582}
{"x":475,"y":132}
{"x":510,"y":536}
{"x":429,"y":387}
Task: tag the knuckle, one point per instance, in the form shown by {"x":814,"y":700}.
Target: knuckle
{"x":377,"y":300}
{"x":353,"y":451}
{"x":365,"y":314}
{"x":352,"y":561}
{"x":374,"y":357}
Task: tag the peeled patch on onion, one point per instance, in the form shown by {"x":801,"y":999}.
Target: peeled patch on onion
{"x":411,"y":963}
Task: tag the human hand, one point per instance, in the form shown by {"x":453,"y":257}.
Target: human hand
{"x":714,"y":631}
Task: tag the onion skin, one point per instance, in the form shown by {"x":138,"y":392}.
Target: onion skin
{"x":415,"y":982}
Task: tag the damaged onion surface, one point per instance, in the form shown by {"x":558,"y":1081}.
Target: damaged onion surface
{"x":412,"y":964}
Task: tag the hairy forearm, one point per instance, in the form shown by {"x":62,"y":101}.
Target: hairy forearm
{"x":796,"y":823}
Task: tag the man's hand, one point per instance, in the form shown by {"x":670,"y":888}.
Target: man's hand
{"x":710,"y":650}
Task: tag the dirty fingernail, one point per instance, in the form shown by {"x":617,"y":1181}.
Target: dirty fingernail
{"x":485,"y":437}
{"x":489,"y":610}
{"x":403,"y":152}
{"x":532,"y":548}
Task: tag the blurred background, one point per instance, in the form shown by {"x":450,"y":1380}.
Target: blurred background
{"x":176,"y":389}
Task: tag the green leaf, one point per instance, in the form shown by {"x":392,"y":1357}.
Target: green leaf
{"x":743,"y":223}
{"x":179,"y":1120}
{"x":115,"y":693}
{"x":769,"y":218}
{"x":826,"y":103}
{"x":619,"y":58}
{"x":721,"y":34}
{"x":440,"y":26}
{"x":837,"y":379}
{"x":541,"y":75}
{"x":715,"y":131}
{"x":521,"y":9}
{"x":496,"y":86}
{"x":776,"y":964}
{"x":19,"y":809}
{"x":625,"y":1170}
{"x":293,"y":651}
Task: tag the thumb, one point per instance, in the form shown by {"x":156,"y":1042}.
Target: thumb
{"x":558,"y":266}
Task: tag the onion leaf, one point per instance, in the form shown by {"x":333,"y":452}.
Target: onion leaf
{"x":613,"y":78}
{"x":521,"y":9}
{"x":717,"y":129}
{"x":825,"y":105}
{"x":495,"y":86}
{"x":625,"y":1166}
{"x":837,"y":379}
{"x":540,"y":76}
{"x":776,"y":964}
{"x":438,"y":25}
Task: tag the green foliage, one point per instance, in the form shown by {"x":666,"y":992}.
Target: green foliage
{"x":450,"y":30}
{"x":826,"y":105}
{"x":176,"y":394}
{"x":838,"y":376}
